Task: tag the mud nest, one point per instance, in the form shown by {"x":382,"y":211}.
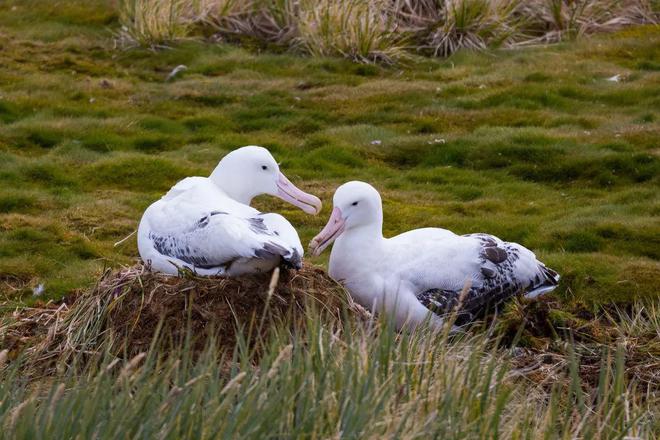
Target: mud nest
{"x":127,"y":309}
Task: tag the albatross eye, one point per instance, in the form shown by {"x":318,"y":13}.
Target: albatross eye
{"x":264,"y":167}
{"x":354,"y":203}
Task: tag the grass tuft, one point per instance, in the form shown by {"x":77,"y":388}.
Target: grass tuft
{"x":449,"y":25}
{"x":153,"y":23}
{"x":361,"y":30}
{"x":556,"y":20}
{"x":377,"y":30}
{"x":345,"y":378}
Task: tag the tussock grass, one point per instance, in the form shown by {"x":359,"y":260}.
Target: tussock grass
{"x":272,"y":21}
{"x":381,"y":30}
{"x":447,"y":26}
{"x":346,"y":379}
{"x":153,"y":23}
{"x":361,"y":30}
{"x":215,"y":10}
{"x":555,"y":20}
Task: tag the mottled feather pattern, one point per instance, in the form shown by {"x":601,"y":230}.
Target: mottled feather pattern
{"x":294,"y":261}
{"x":204,"y":221}
{"x":172,"y":247}
{"x":501,"y":279}
{"x":476,"y":302}
{"x":180,"y":247}
{"x":257,"y":225}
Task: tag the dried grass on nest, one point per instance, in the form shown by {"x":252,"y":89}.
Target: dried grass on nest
{"x":127,"y":309}
{"x":543,"y":354}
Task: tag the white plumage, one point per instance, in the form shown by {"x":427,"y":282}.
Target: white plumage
{"x":424,"y":270}
{"x":208,"y":226}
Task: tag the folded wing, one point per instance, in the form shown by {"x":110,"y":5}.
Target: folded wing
{"x":477,"y":272}
{"x":211,"y":242}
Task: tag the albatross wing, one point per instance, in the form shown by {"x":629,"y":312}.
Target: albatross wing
{"x":493,"y":271}
{"x":179,"y":233}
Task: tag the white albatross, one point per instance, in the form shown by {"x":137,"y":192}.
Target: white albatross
{"x":418,"y":276}
{"x":206,"y":224}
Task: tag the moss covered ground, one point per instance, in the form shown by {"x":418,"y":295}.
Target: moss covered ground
{"x":539,"y":146}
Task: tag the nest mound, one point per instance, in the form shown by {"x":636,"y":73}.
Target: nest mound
{"x":127,"y":309}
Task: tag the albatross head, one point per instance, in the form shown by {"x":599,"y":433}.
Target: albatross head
{"x":355,"y":205}
{"x":251,"y":171}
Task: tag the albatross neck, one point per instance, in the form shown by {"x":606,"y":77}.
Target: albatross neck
{"x":370,"y":234}
{"x":236,"y":187}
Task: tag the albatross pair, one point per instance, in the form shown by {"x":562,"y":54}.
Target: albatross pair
{"x":207,"y":226}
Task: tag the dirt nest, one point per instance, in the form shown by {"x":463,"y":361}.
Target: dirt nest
{"x":127,"y":308}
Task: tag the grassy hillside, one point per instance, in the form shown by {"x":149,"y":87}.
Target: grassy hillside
{"x":555,"y":147}
{"x":537,"y":146}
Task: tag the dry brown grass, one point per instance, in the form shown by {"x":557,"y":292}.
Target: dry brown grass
{"x":380,"y":30}
{"x":583,"y":372}
{"x":449,"y":25}
{"x":549,"y":337}
{"x":154,"y":23}
{"x":361,"y":30}
{"x":128,"y":309}
{"x":549,"y":21}
{"x":271,"y":21}
{"x":446,"y":26}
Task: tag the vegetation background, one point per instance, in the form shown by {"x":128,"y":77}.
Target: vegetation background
{"x":553,"y":146}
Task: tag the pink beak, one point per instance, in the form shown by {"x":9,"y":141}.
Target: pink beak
{"x":288,"y":192}
{"x":330,"y":232}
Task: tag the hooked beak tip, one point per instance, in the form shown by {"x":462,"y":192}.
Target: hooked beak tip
{"x":333,"y":229}
{"x":314,"y":247}
{"x":316,"y":205}
{"x":288,"y":192}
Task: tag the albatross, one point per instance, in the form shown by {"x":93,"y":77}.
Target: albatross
{"x":419,"y":276}
{"x":206,"y":224}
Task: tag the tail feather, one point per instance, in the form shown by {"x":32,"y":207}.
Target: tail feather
{"x":548,"y":283}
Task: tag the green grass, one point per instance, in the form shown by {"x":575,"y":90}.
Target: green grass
{"x":345,"y":381}
{"x":534,"y":145}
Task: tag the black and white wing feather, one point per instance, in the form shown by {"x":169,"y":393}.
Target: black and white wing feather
{"x":216,"y":242}
{"x":475,"y":273}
